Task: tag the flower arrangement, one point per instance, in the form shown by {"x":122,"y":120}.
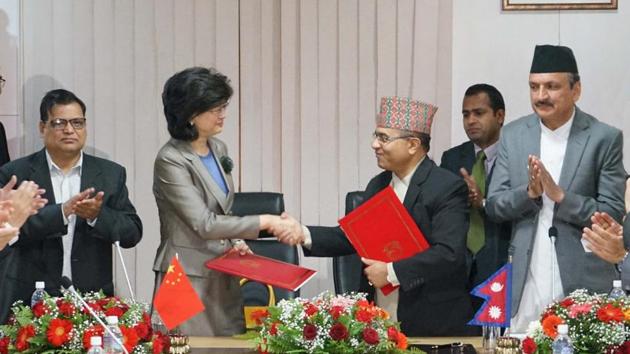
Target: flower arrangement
{"x":62,"y":325}
{"x":328,"y":324}
{"x":597,"y":324}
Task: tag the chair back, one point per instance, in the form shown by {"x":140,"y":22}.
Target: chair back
{"x":257,"y":295}
{"x":256,"y":203}
{"x":347,"y":269}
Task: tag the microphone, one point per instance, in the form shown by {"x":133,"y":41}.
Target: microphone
{"x":553,"y":236}
{"x":66,"y":283}
{"x":122,"y":261}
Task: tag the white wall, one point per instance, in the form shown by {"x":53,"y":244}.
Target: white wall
{"x":497,"y":47}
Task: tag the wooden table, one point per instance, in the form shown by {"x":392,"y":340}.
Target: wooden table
{"x":228,"y":345}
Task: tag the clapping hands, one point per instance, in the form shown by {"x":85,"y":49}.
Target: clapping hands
{"x":541,"y":181}
{"x":605,"y":238}
{"x":16,"y":205}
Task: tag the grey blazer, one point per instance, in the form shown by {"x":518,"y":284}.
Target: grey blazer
{"x":593,"y":179}
{"x":194,"y":212}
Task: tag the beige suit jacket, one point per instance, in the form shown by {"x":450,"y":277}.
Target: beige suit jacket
{"x":195,"y":217}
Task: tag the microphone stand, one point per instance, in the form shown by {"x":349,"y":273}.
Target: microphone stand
{"x":553,"y":235}
{"x":122,"y":261}
{"x":67,"y":284}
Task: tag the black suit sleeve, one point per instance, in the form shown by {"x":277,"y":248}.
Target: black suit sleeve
{"x":118,"y":220}
{"x":328,"y":242}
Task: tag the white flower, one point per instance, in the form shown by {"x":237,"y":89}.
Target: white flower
{"x":533,"y":328}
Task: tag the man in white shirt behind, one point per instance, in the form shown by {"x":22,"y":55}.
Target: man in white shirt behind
{"x":555,"y":168}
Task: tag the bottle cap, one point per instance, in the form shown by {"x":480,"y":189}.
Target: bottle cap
{"x":563,"y":328}
{"x":112,"y":319}
{"x":96,"y":341}
{"x":40,"y":285}
{"x":616,"y":283}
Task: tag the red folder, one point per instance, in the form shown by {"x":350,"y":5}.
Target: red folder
{"x":265,"y":270}
{"x":382,"y":229}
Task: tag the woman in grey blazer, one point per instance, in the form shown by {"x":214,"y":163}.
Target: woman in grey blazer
{"x":194,"y":192}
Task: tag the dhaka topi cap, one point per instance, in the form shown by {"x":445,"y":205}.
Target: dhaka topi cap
{"x":406,"y":114}
{"x":553,"y":59}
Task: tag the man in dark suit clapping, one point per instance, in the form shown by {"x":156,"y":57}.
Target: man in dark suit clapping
{"x":483,"y":112}
{"x":88,"y":208}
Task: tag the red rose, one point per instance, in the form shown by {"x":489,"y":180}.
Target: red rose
{"x":114,"y":311}
{"x":143,"y":331}
{"x":23,"y":335}
{"x":610,"y":313}
{"x":4,"y":345}
{"x":66,"y":308}
{"x":529,"y":345}
{"x":310,"y":309}
{"x":392,"y":334}
{"x":93,"y":331}
{"x":94,"y":306}
{"x":39,"y":309}
{"x":624,"y":348}
{"x":129,"y":338}
{"x":309,"y":332}
{"x":58,"y":332}
{"x":370,"y":336}
{"x":161,"y":343}
{"x":336,"y":311}
{"x":567,"y":302}
{"x":338,"y":332}
{"x":274,"y":329}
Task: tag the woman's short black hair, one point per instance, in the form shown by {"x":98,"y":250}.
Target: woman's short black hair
{"x":190,"y":93}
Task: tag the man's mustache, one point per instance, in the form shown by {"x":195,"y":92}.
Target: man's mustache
{"x":543,"y":103}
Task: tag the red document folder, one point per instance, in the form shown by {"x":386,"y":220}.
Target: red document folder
{"x":382,"y":229}
{"x":265,"y":270}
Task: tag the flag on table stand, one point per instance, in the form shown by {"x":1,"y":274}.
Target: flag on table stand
{"x":176,"y":301}
{"x":497,"y":293}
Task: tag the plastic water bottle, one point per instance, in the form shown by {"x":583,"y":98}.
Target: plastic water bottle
{"x":95,"y":346}
{"x":617,"y":291}
{"x":562,"y":344}
{"x":39,"y":293}
{"x":110,"y":345}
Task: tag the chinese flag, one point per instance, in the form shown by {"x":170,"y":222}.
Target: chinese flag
{"x":176,"y":301}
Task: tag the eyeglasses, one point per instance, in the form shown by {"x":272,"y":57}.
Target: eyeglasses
{"x":221,"y":109}
{"x":60,"y":123}
{"x":385,"y":139}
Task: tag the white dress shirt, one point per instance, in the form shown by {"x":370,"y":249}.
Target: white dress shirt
{"x":64,"y":187}
{"x":543,"y":284}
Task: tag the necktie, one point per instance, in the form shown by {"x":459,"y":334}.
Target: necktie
{"x":476,"y":232}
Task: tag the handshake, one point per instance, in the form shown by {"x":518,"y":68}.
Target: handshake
{"x":284,"y":227}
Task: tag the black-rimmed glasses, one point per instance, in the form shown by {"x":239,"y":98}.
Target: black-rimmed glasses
{"x":60,"y":123}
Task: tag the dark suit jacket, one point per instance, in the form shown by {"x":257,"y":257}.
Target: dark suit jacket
{"x":494,"y":253}
{"x":4,"y":147}
{"x":38,"y":254}
{"x":433,"y":298}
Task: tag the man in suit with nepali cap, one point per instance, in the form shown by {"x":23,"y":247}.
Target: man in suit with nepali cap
{"x":555,"y":169}
{"x":432,"y":299}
